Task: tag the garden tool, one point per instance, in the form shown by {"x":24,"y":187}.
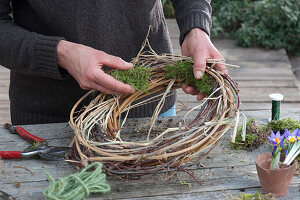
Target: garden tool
{"x":5,"y":196}
{"x":39,"y":147}
{"x":22,"y":133}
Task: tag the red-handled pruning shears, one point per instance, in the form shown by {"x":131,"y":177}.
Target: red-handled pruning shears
{"x":39,"y":147}
{"x":22,"y":133}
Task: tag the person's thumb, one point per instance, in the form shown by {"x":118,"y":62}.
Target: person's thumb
{"x":199,"y":64}
{"x":115,"y":62}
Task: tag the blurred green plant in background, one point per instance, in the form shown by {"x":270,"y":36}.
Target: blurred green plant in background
{"x":271,"y":24}
{"x":168,"y":8}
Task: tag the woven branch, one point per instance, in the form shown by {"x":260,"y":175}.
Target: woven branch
{"x":98,"y":127}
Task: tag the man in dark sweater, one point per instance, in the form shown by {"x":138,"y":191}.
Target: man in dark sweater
{"x":56,"y":49}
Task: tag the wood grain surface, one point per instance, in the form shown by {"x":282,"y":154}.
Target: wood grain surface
{"x":223,"y":173}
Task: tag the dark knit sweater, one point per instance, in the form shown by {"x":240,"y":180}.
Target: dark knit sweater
{"x":41,"y":91}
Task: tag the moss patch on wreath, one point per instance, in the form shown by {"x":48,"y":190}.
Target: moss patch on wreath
{"x":139,"y":76}
{"x":183,"y":70}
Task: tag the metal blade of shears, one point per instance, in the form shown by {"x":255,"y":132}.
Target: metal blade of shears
{"x":55,"y":153}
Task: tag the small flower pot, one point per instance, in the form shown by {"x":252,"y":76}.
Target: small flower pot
{"x":275,"y":181}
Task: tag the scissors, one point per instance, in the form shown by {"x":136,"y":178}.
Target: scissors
{"x":39,"y":147}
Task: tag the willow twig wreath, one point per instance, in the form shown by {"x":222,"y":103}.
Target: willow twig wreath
{"x":98,"y":126}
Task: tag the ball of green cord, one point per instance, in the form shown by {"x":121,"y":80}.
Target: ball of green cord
{"x":78,"y":186}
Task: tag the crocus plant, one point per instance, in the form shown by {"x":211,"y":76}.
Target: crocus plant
{"x":290,"y":142}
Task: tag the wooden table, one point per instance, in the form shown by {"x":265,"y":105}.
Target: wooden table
{"x":225,"y":171}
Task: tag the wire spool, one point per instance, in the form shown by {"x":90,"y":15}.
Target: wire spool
{"x":98,"y":127}
{"x":276,"y":98}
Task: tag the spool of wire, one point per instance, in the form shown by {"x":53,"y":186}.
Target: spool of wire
{"x":276,"y":98}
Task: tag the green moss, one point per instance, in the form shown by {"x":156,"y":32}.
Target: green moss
{"x":281,"y":124}
{"x":256,"y":135}
{"x":137,"y":77}
{"x":240,"y":144}
{"x":184,"y":183}
{"x":250,"y":121}
{"x":33,"y":146}
{"x":256,"y":196}
{"x":183,"y":70}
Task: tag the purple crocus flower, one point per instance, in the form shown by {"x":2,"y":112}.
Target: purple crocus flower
{"x":291,"y":137}
{"x":276,"y":139}
{"x":298,"y":134}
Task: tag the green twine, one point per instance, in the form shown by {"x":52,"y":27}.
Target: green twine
{"x":78,"y":186}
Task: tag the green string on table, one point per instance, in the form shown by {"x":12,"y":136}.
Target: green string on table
{"x":78,"y":186}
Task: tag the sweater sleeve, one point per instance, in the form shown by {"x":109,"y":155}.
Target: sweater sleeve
{"x":192,"y":14}
{"x":24,"y":51}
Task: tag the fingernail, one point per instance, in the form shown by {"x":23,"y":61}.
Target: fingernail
{"x":198,"y":74}
{"x":132,"y":91}
{"x":200,"y":96}
{"x":129,"y":64}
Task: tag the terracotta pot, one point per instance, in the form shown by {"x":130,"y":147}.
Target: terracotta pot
{"x":276,"y":181}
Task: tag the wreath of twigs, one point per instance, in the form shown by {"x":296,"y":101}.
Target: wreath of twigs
{"x":98,"y":126}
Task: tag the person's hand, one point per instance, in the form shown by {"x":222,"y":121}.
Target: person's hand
{"x":85,"y":65}
{"x":197,"y":44}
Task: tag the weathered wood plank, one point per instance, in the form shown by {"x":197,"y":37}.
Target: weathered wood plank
{"x":266,"y":71}
{"x":258,"y":65}
{"x":225,"y":169}
{"x":4,"y":99}
{"x":181,"y":110}
{"x":150,"y":188}
{"x":4,"y":90}
{"x":220,"y":195}
{"x":266,"y":83}
{"x":213,"y":179}
{"x":186,"y":193}
{"x":3,"y":96}
{"x":4,"y":77}
{"x":259,"y":101}
{"x":4,"y":106}
{"x":262,"y":77}
{"x":259,"y":94}
{"x":4,"y":111}
{"x":3,"y":69}
{"x":4,"y":119}
{"x":295,"y":62}
{"x":262,"y":94}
